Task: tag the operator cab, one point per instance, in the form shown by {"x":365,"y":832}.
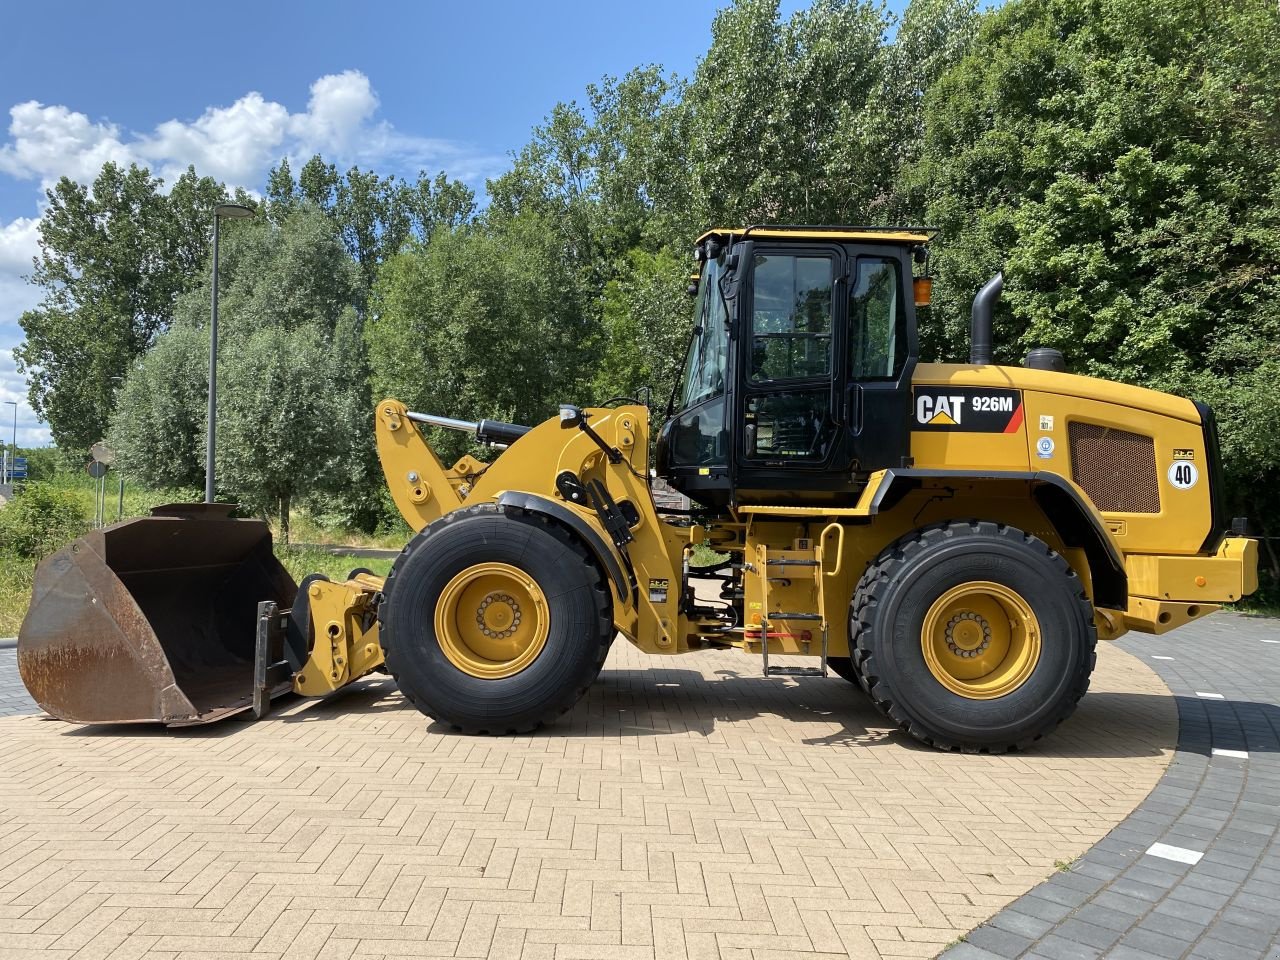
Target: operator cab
{"x":797,"y":380}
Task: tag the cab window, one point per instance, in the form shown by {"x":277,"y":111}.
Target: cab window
{"x":791,"y":318}
{"x":877,"y":321}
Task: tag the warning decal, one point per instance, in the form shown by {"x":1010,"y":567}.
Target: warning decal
{"x":967,"y":409}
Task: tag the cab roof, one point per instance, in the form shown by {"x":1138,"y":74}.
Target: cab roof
{"x":905,"y":235}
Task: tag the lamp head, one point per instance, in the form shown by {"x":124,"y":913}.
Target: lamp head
{"x":232,"y":211}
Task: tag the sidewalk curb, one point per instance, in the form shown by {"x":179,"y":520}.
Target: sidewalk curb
{"x":8,"y":643}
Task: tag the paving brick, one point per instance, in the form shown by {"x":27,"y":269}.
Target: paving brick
{"x":1160,"y":944}
{"x":1213,"y":949}
{"x":1025,"y":925}
{"x":1097,"y":915}
{"x":1001,"y":942}
{"x":1243,"y":937}
{"x":685,"y":808}
{"x":1056,"y":947}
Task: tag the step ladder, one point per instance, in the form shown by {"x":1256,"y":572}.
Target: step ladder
{"x":817,"y":567}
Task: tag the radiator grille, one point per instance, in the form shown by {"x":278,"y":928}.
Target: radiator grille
{"x":1116,"y":468}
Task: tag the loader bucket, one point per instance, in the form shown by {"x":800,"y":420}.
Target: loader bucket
{"x":152,"y":619}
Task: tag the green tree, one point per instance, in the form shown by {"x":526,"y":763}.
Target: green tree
{"x":113,"y":260}
{"x":280,"y":416}
{"x":646,"y":324}
{"x":291,"y":374}
{"x":483,"y":321}
{"x":1119,"y":159}
{"x":158,"y":426}
{"x":374,"y":215}
{"x":777,"y":115}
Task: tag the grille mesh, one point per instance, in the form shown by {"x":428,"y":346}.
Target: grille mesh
{"x":1116,"y":468}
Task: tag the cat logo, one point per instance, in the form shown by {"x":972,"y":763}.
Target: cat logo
{"x":939,"y":410}
{"x":967,"y":409}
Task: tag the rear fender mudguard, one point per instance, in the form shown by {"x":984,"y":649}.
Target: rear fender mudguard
{"x":1076,"y":523}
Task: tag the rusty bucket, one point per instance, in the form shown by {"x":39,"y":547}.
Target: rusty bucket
{"x":152,"y":620}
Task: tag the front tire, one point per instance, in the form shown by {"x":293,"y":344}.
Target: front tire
{"x":495,"y":620}
{"x":973,"y":636}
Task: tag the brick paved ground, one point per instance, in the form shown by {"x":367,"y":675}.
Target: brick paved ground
{"x":1218,"y":804}
{"x":13,"y":695}
{"x":686,"y":808}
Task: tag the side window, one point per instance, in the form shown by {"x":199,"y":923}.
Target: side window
{"x":791,"y":318}
{"x":877,"y":321}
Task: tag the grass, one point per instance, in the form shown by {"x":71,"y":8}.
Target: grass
{"x":1253,"y":608}
{"x":300,"y":562}
{"x":704,"y":556}
{"x":303,"y":528}
{"x":15,"y":593}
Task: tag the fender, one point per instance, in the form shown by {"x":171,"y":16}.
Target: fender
{"x":1076,"y":522}
{"x":604,"y":554}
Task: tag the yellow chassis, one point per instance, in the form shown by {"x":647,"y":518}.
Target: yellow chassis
{"x":1168,"y":582}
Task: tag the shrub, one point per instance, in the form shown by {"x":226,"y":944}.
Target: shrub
{"x":39,"y":520}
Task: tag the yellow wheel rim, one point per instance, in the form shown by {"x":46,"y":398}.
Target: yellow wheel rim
{"x":491,"y":620}
{"x":981,"y":640}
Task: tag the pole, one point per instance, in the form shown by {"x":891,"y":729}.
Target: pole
{"x":213,"y":372}
{"x":120,"y":502}
{"x":9,"y":464}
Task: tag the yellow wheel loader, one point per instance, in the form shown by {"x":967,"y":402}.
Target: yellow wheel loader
{"x":951,"y":538}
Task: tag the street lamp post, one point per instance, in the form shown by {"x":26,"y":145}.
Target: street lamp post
{"x":9,"y":464}
{"x":231,"y":211}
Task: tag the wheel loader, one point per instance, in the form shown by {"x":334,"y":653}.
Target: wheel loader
{"x":950,"y":538}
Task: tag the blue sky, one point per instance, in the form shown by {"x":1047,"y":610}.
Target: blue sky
{"x":234,"y":86}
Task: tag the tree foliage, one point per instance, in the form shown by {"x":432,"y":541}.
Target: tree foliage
{"x":291,"y":373}
{"x":114,"y":257}
{"x":483,"y":321}
{"x":1116,"y":158}
{"x":374,"y":215}
{"x":1120,"y":160}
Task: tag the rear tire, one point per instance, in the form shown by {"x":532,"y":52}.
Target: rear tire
{"x":495,"y":620}
{"x":973,"y":636}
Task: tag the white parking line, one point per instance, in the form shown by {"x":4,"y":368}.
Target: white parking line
{"x":1238,"y":754}
{"x":1180,"y":854}
{"x":1154,"y":657}
{"x":1209,"y":696}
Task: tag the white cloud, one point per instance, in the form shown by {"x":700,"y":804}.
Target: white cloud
{"x":17,"y":247}
{"x":236,"y":144}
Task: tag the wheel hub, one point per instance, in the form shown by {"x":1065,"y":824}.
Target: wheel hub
{"x":498,"y":616}
{"x":981,"y":640}
{"x":491,"y":620}
{"x":968,"y":634}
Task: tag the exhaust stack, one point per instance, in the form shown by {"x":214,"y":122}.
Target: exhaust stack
{"x":984,"y":305}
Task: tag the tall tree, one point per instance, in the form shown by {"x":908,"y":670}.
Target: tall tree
{"x":483,"y":321}
{"x":374,"y":215}
{"x":291,"y":373}
{"x":1119,"y":159}
{"x":114,"y":257}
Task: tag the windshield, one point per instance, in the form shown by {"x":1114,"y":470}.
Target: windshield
{"x":707,"y":366}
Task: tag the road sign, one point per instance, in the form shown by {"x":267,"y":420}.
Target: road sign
{"x":19,"y":471}
{"x":96,"y":469}
{"x":102,"y":453}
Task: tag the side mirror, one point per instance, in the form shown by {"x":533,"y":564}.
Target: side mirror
{"x":570,"y":416}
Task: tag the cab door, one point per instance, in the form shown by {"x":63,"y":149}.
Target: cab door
{"x":788,"y":403}
{"x":879,"y":357}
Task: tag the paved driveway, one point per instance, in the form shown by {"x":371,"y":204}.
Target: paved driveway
{"x":686,"y":808}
